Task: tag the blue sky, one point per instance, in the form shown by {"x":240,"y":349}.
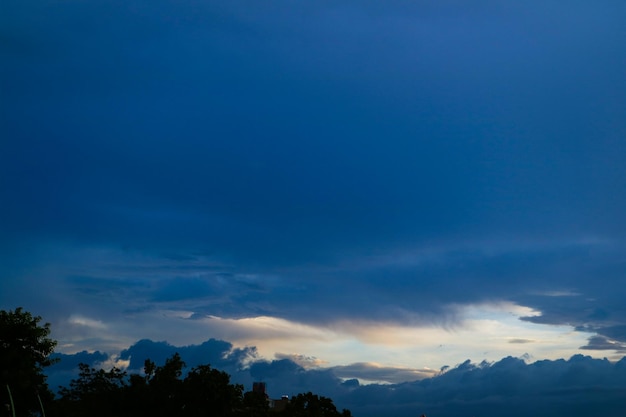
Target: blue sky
{"x":399,"y":185}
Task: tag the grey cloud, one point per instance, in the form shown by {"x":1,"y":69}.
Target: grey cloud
{"x":377,"y":373}
{"x":184,"y":289}
{"x":103,"y":287}
{"x":284,"y":377}
{"x":521,"y":341}
{"x":217,"y":353}
{"x":604,"y":343}
{"x":410,"y":288}
{"x":616,"y":332}
{"x":422,"y":290}
{"x":302,"y":360}
{"x":69,"y":362}
{"x":574,"y":387}
{"x":596,"y":305}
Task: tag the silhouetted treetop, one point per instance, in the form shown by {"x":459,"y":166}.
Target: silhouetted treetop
{"x":25,"y":349}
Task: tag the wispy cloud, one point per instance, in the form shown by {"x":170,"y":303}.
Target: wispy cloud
{"x":367,"y":372}
{"x":87,"y":322}
{"x":521,"y":341}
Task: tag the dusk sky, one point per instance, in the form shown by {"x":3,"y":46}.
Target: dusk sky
{"x":366,"y":190}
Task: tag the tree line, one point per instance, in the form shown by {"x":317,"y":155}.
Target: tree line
{"x":160,"y":391}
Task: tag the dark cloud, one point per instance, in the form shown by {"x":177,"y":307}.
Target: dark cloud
{"x":617,"y":332}
{"x":576,"y":387}
{"x":595,"y":305}
{"x":183,"y":289}
{"x":521,"y":341}
{"x":510,"y":387}
{"x":604,"y":343}
{"x":67,"y":362}
{"x":377,"y":373}
{"x":239,"y":81}
{"x":216,"y":353}
{"x":104,"y":287}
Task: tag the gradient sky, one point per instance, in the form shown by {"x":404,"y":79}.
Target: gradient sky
{"x":354,"y":185}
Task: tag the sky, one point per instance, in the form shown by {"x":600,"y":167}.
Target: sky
{"x":348,"y":190}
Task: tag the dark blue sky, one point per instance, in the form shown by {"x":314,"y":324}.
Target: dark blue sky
{"x":343,"y":181}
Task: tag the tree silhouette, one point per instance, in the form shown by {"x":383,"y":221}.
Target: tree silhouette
{"x":25,"y":350}
{"x":162,"y":389}
{"x":255,"y":404}
{"x":160,"y":392}
{"x":208,"y":391}
{"x":312,"y":405}
{"x":95,"y":392}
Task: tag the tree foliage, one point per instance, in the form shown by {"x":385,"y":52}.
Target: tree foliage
{"x":164,"y":391}
{"x":209,"y":391}
{"x":25,"y":350}
{"x":255,"y":404}
{"x":312,"y":405}
{"x":160,"y":392}
{"x":95,"y":392}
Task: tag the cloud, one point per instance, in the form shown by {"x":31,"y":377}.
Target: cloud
{"x":184,"y":289}
{"x":372,"y":372}
{"x":604,"y":343}
{"x":87,"y":322}
{"x":508,"y":386}
{"x":521,"y":341}
{"x":217,"y":353}
{"x":71,"y":361}
{"x":424,"y":297}
{"x":302,"y":360}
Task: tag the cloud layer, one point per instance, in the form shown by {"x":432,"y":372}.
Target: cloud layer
{"x":577,"y":387}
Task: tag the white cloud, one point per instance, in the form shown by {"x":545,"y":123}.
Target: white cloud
{"x":87,"y":322}
{"x":304,"y":361}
